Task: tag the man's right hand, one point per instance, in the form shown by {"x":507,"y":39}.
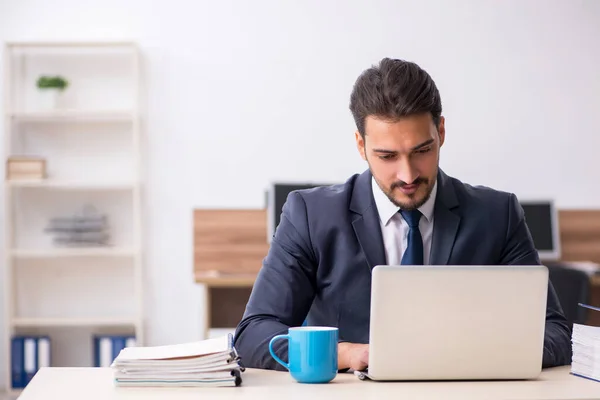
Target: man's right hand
{"x":353,"y":355}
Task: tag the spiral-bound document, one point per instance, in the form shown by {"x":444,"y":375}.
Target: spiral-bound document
{"x":212,"y":362}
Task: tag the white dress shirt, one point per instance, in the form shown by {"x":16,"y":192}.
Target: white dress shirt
{"x":394,"y":228}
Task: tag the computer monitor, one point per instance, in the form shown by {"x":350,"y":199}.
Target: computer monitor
{"x":276,"y":196}
{"x":542,"y":219}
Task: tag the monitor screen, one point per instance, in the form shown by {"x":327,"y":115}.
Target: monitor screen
{"x":542,"y":221}
{"x":276,"y":197}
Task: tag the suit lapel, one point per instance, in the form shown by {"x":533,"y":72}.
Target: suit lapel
{"x":366,"y":222}
{"x":446,"y":221}
{"x":368,"y":230}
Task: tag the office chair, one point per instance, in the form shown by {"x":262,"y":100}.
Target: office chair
{"x":572,"y":287}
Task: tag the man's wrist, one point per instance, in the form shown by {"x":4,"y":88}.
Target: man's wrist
{"x":343,"y":362}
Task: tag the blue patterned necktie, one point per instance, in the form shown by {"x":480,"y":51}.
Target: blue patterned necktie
{"x":413,"y":255}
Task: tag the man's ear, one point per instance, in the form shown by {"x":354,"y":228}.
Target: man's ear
{"x":442,"y":130}
{"x":360,"y":144}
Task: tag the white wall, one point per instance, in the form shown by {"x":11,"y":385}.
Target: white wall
{"x":241,"y":93}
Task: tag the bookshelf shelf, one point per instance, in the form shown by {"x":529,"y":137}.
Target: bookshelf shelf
{"x":70,"y":185}
{"x":73,"y":116}
{"x":74,"y":252}
{"x":68,"y":322}
{"x":62,"y":45}
{"x":74,"y":186}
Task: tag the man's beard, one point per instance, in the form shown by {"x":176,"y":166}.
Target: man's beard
{"x":412,"y":203}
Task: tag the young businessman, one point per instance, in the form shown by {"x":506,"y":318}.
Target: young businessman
{"x":403,"y":210}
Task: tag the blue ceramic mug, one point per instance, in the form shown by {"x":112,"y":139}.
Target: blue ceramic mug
{"x":312,"y":353}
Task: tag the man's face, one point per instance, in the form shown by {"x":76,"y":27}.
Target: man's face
{"x":403,"y":156}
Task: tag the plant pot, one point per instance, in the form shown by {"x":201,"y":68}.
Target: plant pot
{"x":49,"y":99}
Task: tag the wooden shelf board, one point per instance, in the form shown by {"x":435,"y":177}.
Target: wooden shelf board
{"x":225,"y":280}
{"x":58,"y":322}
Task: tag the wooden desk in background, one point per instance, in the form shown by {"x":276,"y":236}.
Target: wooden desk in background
{"x":229,"y":246}
{"x":97,"y":383}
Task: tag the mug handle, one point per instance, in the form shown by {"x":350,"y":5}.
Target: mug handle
{"x":286,"y":365}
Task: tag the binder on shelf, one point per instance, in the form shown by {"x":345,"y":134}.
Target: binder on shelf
{"x":17,"y":368}
{"x":30,"y":351}
{"x":108,"y":347}
{"x":28,"y":354}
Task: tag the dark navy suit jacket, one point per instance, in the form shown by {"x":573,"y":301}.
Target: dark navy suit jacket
{"x":329,"y":239}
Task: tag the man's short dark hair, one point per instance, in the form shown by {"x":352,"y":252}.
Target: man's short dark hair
{"x":392,"y":90}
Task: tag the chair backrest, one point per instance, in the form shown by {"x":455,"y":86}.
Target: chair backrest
{"x":572,"y":287}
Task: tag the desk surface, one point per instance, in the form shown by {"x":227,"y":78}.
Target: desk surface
{"x":97,"y":383}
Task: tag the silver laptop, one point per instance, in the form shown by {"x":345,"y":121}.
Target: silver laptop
{"x":457,"y":322}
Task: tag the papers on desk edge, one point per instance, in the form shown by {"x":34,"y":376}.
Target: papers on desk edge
{"x":211,"y":362}
{"x":585,"y":341}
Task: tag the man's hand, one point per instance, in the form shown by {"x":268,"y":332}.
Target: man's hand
{"x":353,"y":355}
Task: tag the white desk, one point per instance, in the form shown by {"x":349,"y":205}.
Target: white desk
{"x":97,"y":383}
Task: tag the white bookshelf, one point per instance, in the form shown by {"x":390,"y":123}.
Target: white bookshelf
{"x":91,"y":144}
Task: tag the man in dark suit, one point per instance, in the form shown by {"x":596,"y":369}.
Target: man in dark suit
{"x":403,"y":210}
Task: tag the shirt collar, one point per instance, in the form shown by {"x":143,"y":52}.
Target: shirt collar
{"x":387,"y":209}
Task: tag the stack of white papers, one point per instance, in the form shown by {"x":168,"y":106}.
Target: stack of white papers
{"x":212,"y":362}
{"x":586,"y":350}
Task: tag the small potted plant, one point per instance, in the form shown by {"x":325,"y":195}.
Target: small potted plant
{"x":50,"y":90}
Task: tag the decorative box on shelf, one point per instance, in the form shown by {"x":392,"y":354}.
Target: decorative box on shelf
{"x":25,"y":168}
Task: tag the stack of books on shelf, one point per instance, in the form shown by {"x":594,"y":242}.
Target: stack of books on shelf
{"x":586,"y":349}
{"x":211,"y":362}
{"x":86,"y":229}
